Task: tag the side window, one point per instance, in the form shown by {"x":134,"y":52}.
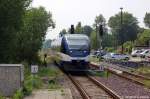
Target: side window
{"x":146,"y":51}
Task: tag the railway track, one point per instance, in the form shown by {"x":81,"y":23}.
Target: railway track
{"x":138,"y":79}
{"x":125,"y":84}
{"x":90,"y":88}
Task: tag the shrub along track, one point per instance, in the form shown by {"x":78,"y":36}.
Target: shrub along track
{"x":125,"y":84}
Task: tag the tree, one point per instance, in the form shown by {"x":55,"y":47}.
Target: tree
{"x":99,"y":20}
{"x":128,"y":46}
{"x":47,"y":44}
{"x":147,"y":20}
{"x":129,"y":29}
{"x":32,"y":35}
{"x":107,"y":40}
{"x":11,"y":15}
{"x":78,"y":28}
{"x":62,"y":32}
{"x":94,"y":40}
{"x":143,"y":38}
{"x":87,"y":30}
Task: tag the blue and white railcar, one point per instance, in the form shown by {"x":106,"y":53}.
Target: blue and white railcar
{"x":75,"y":49}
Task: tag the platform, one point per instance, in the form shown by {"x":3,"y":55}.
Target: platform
{"x":51,"y":94}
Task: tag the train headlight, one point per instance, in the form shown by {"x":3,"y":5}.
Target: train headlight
{"x":84,"y":51}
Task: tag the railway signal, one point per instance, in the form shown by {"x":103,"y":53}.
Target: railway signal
{"x":72,"y":29}
{"x":101,"y":30}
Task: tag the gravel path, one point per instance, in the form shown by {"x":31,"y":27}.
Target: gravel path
{"x":124,"y":88}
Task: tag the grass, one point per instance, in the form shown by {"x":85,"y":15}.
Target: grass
{"x":48,"y":72}
{"x":94,"y":59}
{"x":143,"y":70}
{"x":147,"y":83}
{"x":100,"y":73}
{"x":1,"y":97}
{"x":18,"y":94}
{"x":54,"y":86}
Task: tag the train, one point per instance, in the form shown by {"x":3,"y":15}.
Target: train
{"x":73,"y":50}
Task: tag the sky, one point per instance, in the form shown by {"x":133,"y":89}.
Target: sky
{"x":67,"y":12}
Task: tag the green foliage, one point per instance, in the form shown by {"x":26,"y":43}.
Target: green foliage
{"x":78,"y":28}
{"x":110,"y":49}
{"x":143,"y":38}
{"x":125,"y":32}
{"x":87,"y":30}
{"x":1,"y":97}
{"x":37,"y":82}
{"x":94,"y":40}
{"x":53,"y":84}
{"x":30,"y":38}
{"x":147,"y":83}
{"x":47,"y":44}
{"x":104,"y":74}
{"x":11,"y":15}
{"x":147,"y":20}
{"x":128,"y":46}
{"x":18,"y":94}
{"x":63,"y":32}
{"x":95,"y":59}
{"x":99,"y":20}
{"x":49,"y":72}
{"x":143,"y":70}
{"x":107,"y":40}
{"x":28,"y":85}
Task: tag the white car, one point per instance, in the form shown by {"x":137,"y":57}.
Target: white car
{"x":116,"y":56}
{"x":136,"y":53}
{"x":145,"y":53}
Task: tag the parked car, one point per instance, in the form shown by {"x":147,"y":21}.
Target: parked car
{"x":116,"y":56}
{"x":144,"y":53}
{"x":147,"y":57}
{"x":98,"y":53}
{"x":94,"y":53}
{"x":101,"y":53}
{"x":136,"y":53}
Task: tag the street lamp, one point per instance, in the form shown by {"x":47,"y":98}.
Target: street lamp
{"x":121,"y":30}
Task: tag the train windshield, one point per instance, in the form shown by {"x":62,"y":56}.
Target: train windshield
{"x":81,"y":44}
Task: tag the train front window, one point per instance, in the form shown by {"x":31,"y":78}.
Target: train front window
{"x":80,"y":44}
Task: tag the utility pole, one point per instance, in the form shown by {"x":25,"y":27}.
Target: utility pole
{"x":100,"y":35}
{"x":96,"y":38}
{"x":122,"y":49}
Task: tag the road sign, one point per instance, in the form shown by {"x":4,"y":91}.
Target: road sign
{"x":101,"y":68}
{"x":34,"y":69}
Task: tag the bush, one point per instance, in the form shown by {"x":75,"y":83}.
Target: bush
{"x":128,"y":47}
{"x":53,"y":84}
{"x":110,"y":49}
{"x":37,"y":82}
{"x":18,"y":94}
{"x":28,"y":86}
{"x":32,"y":82}
{"x":48,"y":72}
{"x":147,"y":83}
{"x":1,"y":97}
